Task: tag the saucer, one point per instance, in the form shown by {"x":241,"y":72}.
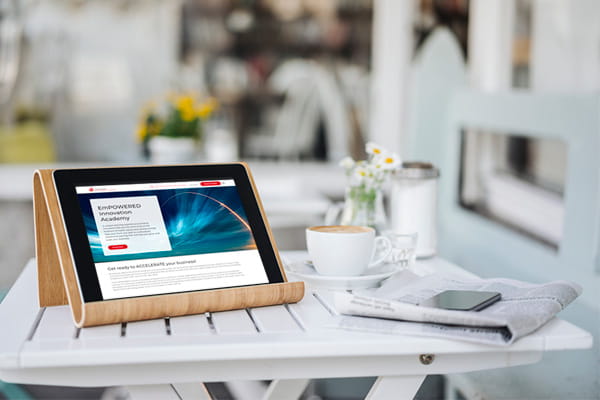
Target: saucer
{"x":303,"y":270}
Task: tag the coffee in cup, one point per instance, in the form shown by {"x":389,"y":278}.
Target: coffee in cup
{"x":344,"y":250}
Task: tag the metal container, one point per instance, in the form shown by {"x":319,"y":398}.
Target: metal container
{"x":413,"y":204}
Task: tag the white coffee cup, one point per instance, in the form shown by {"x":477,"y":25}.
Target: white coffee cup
{"x":343,"y":250}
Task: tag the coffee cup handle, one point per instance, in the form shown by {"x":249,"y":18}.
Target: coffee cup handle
{"x":385,"y":255}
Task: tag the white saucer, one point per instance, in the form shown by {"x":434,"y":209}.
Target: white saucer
{"x":303,"y":270}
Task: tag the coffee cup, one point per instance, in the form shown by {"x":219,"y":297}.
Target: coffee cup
{"x":344,"y":250}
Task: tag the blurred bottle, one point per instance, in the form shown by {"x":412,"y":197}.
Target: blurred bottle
{"x":413,"y":204}
{"x":220,"y":142}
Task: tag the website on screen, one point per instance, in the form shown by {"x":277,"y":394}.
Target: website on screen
{"x":168,"y":237}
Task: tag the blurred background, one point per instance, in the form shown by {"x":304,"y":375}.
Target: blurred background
{"x":292,"y":86}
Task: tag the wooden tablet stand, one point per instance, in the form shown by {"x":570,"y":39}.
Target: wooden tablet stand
{"x":58,"y":283}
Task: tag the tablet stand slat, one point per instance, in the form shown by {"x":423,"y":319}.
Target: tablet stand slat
{"x":52,"y":250}
{"x":58,"y":284}
{"x":51,"y":289}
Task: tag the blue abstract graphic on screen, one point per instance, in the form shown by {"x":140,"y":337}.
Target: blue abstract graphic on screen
{"x":198,"y":221}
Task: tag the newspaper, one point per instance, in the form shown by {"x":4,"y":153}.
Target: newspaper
{"x":523,"y":308}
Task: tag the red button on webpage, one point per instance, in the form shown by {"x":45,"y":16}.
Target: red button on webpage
{"x":210,"y":183}
{"x":117,"y":246}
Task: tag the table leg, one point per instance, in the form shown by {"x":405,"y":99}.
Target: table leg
{"x":395,"y":387}
{"x":192,"y":390}
{"x":176,"y":391}
{"x":12,"y":391}
{"x":246,"y":390}
{"x":286,"y":389}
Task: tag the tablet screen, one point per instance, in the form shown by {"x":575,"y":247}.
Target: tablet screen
{"x":154,"y":237}
{"x":164,"y":237}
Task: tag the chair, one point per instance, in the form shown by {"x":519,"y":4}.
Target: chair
{"x":441,"y":108}
{"x":312,"y":95}
{"x":491,"y":249}
{"x":9,"y":390}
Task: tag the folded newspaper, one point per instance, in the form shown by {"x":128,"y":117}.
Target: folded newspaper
{"x":523,"y":308}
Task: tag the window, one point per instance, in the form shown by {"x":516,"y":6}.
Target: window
{"x":515,"y":180}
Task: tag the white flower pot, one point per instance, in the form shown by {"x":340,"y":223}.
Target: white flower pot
{"x":165,"y":150}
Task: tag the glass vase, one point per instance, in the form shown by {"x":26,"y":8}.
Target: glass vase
{"x":364,"y":207}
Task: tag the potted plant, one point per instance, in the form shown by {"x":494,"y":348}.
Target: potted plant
{"x":363,"y":203}
{"x":174,"y":137}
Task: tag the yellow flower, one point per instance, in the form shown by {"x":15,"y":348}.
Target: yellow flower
{"x":207,"y":108}
{"x":142,"y":132}
{"x":185,"y":106}
{"x":187,"y":115}
{"x":184,"y":101}
{"x":183,"y":118}
{"x":154,"y":128}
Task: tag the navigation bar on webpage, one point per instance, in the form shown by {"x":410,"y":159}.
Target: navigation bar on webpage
{"x":132,"y":187}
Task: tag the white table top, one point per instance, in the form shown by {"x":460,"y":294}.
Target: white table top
{"x":280,"y":342}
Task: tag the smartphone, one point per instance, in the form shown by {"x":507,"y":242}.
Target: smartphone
{"x":462,"y":300}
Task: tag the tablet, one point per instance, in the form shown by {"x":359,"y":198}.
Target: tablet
{"x":147,"y":231}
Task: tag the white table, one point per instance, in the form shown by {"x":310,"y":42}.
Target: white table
{"x":288,"y":344}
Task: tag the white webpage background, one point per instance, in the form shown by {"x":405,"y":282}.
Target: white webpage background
{"x":163,"y":275}
{"x":129,"y":232}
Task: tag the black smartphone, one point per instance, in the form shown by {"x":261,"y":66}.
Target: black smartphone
{"x":462,"y":300}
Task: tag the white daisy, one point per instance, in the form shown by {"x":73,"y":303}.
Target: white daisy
{"x":347,"y":162}
{"x":390,"y":161}
{"x":374,"y":149}
{"x":360,"y":174}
